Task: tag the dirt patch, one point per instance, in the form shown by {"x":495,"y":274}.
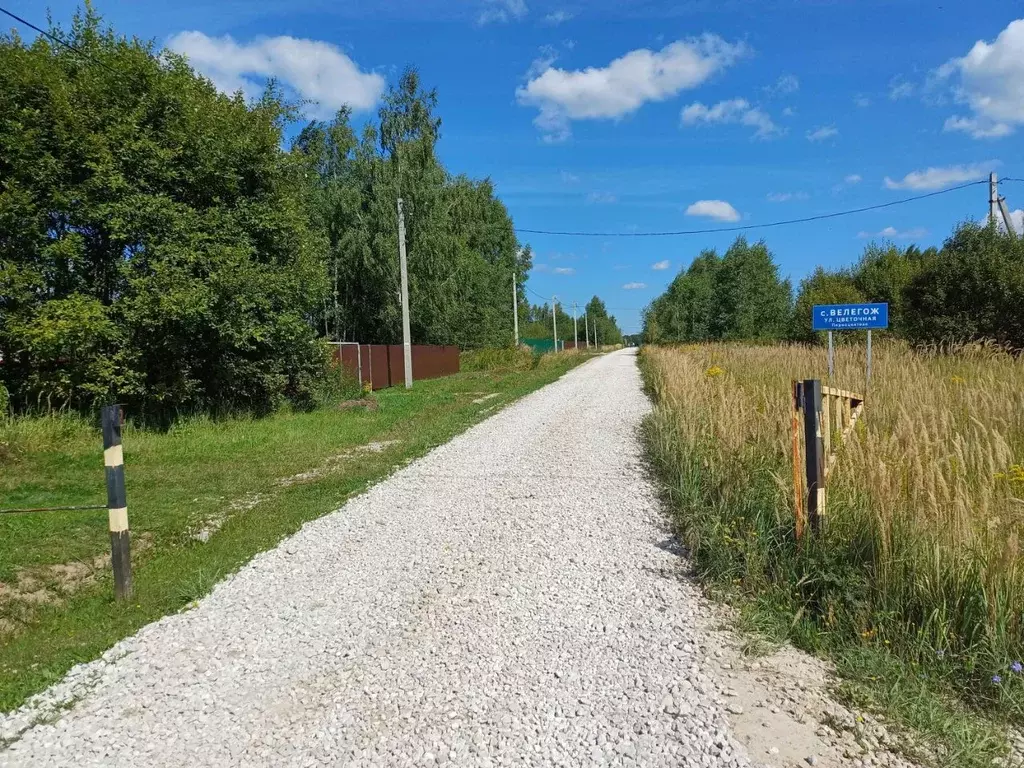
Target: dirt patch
{"x":334,"y":462}
{"x":49,"y":585}
{"x":782,"y":710}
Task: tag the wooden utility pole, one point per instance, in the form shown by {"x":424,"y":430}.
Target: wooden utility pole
{"x":406,"y":340}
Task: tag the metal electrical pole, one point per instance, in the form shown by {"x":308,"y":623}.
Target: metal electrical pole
{"x":515,"y":307}
{"x":554,"y":318}
{"x":406,"y":340}
{"x":993,"y":197}
{"x":575,"y":330}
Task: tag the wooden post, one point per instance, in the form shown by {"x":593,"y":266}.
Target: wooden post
{"x":815,"y":453}
{"x":117,"y":505}
{"x":798,"y":486}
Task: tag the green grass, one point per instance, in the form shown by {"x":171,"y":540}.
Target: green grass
{"x":190,"y":474}
{"x":718,"y":440}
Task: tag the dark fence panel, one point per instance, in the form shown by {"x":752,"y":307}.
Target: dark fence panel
{"x":384,"y":364}
{"x":431,"y":361}
{"x":378,"y":373}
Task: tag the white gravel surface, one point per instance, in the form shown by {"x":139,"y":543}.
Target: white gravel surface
{"x":502,"y":601}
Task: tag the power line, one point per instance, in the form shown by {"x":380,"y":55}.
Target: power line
{"x":54,"y":38}
{"x":746,"y":227}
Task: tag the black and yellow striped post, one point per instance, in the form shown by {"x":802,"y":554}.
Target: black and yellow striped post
{"x":117,"y":505}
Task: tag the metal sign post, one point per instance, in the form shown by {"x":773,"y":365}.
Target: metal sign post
{"x":849,"y":317}
{"x":868,"y":378}
{"x":831,"y":357}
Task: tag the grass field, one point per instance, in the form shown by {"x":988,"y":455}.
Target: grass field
{"x":916,"y":586}
{"x":203,"y":498}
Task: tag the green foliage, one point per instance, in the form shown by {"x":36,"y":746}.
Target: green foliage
{"x":972,"y":289}
{"x":883,"y":274}
{"x":822,"y":287}
{"x":737,"y":296}
{"x":503,"y":359}
{"x":154,"y":247}
{"x":462,"y":249}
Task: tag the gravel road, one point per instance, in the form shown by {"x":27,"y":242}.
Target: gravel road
{"x":509,"y":599}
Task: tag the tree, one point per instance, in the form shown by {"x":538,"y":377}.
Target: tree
{"x":738,"y":296}
{"x":822,"y":287}
{"x":883,"y":274}
{"x":972,"y":290}
{"x":605,"y":326}
{"x":753,"y":302}
{"x":154,"y":243}
{"x":462,"y":248}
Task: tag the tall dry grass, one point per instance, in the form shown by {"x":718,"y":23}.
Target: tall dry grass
{"x":920,"y":553}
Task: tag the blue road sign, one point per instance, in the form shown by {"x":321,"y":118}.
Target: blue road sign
{"x":850,"y":317}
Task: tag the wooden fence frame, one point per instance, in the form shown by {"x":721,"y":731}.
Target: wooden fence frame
{"x":829,"y":417}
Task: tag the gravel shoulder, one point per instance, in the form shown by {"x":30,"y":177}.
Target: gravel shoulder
{"x":509,"y":599}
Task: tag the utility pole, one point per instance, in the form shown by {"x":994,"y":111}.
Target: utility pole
{"x":554,"y":318}
{"x":406,"y":341}
{"x":515,"y":307}
{"x":575,"y":330}
{"x":586,"y":327}
{"x":1007,"y":220}
{"x":993,"y":197}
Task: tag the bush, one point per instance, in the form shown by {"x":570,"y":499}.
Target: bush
{"x":500,"y":359}
{"x":970,"y":291}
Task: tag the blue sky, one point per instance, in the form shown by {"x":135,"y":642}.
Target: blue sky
{"x":652,"y":116}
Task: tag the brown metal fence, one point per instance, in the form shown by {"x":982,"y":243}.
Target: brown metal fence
{"x":383,"y":365}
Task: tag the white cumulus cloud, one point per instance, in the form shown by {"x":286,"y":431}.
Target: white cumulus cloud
{"x":936,"y":178}
{"x":502,"y":11}
{"x":784,"y":85}
{"x":564,"y":271}
{"x":634,"y":286}
{"x":891,"y":233}
{"x":719,"y":210}
{"x":317,"y":71}
{"x":558,"y":17}
{"x":822,"y":133}
{"x":731,"y":111}
{"x":990,"y":81}
{"x":899,"y":88}
{"x":625,"y":85}
{"x":659,"y":265}
{"x":853,"y":178}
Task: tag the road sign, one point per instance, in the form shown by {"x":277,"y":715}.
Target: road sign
{"x":850,"y":317}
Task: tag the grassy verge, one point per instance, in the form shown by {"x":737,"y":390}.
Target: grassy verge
{"x":242,"y":484}
{"x":915,"y":587}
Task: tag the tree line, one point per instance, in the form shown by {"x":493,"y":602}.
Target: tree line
{"x":971,"y":289}
{"x":538,"y":323}
{"x":165,"y":246}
